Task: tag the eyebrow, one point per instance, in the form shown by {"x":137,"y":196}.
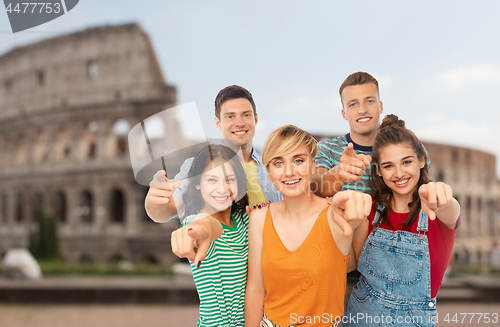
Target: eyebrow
{"x":208,"y":175}
{"x":388,"y":162}
{"x":295,"y":156}
{"x":234,"y":113}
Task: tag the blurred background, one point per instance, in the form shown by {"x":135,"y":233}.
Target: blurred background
{"x":71,"y":89}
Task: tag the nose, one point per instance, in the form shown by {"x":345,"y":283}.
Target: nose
{"x":239,"y":121}
{"x":399,"y":172}
{"x":222,"y":187}
{"x":288,"y":169}
{"x":362,"y":108}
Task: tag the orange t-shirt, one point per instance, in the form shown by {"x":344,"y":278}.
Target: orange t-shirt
{"x":305,"y":287}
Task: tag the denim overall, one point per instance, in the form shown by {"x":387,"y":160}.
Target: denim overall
{"x":395,"y":286}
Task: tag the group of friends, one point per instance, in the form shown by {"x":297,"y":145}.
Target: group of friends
{"x":349,"y":231}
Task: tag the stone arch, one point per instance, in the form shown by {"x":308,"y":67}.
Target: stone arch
{"x":117,"y":206}
{"x":7,"y":152}
{"x":5,"y":203}
{"x":117,"y":138}
{"x":21,"y":157}
{"x":86,"y":207}
{"x":62,"y":147}
{"x":151,"y":259}
{"x":60,"y":206}
{"x":37,"y":205}
{"x":88,"y":141}
{"x":40,"y":147}
{"x":86,"y":258}
{"x":19,"y":208}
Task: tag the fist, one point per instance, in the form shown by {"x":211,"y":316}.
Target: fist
{"x":435,"y":196}
{"x":352,"y":165}
{"x":161,"y":189}
{"x":350,"y":208}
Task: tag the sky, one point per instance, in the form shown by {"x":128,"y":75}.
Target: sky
{"x":438,"y":63}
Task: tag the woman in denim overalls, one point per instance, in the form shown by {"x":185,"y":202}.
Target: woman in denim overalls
{"x":395,"y":286}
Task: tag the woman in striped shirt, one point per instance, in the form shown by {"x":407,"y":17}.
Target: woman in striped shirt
{"x":217,"y":222}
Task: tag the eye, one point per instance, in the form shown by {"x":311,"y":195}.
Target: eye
{"x":298,"y":161}
{"x":211,"y":180}
{"x":229,"y":116}
{"x":370,"y":101}
{"x":352,"y":105}
{"x":246,"y":115}
{"x":277,"y":163}
{"x":231,"y":180}
{"x":387,"y":166}
{"x":407,"y":162}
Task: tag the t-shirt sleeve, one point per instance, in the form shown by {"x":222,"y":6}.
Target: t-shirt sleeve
{"x":324,"y":159}
{"x":182,"y":175}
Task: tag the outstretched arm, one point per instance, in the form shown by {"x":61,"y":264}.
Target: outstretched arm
{"x":350,"y":168}
{"x":198,"y":233}
{"x":161,"y":204}
{"x":255,"y":291}
{"x":349,"y":209}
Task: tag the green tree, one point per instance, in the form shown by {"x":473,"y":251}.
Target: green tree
{"x":44,"y":243}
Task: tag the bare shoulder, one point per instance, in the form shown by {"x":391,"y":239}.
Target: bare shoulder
{"x":258,"y":216}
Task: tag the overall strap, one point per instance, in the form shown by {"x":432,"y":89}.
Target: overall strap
{"x":377,"y":214}
{"x":423,"y":221}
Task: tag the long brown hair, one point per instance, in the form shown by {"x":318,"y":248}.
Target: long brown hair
{"x":393,"y":131}
{"x":214,"y":154}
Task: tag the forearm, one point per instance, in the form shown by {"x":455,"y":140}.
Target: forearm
{"x":162,"y":212}
{"x":327,"y":182}
{"x":254,"y":307}
{"x":449,"y":215}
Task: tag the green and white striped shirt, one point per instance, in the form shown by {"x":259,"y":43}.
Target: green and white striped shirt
{"x":222,"y":277}
{"x":329,"y":155}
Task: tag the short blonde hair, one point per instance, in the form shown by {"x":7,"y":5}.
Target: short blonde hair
{"x":286,"y":139}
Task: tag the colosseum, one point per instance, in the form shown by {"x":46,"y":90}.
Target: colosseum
{"x":66,"y":106}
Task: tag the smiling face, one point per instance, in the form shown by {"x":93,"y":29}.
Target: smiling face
{"x":237,"y":121}
{"x":362,"y":109}
{"x":218,"y":188}
{"x":291,"y":174}
{"x":399,"y":168}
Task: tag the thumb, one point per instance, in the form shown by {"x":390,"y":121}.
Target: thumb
{"x":367,"y":160}
{"x":174,"y":184}
{"x":160,"y":176}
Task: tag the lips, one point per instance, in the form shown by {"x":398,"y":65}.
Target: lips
{"x":221,"y":199}
{"x":292,"y":182}
{"x":402,"y":182}
{"x":363,"y":120}
{"x":240,"y":132}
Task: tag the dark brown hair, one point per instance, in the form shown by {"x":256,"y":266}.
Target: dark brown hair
{"x":232,"y":92}
{"x":217,"y":154}
{"x":393,"y":131}
{"x":358,"y":78}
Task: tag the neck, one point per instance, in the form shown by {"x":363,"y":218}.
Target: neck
{"x":299,"y":207}
{"x":363,"y":140}
{"x":399,"y":203}
{"x":247,"y":152}
{"x":223,"y":217}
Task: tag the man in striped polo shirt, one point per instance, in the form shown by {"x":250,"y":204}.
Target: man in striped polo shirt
{"x":343,"y":161}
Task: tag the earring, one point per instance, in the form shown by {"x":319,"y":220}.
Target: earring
{"x":197,"y":187}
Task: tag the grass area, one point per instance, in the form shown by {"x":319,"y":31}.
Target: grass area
{"x":472,"y":270}
{"x":57,"y":268}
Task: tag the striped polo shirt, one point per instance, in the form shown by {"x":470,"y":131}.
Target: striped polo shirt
{"x":329,"y":155}
{"x":222,"y":277}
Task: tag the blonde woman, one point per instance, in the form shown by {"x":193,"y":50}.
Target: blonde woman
{"x":298,"y":255}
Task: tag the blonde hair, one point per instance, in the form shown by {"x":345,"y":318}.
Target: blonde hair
{"x":286,"y":139}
